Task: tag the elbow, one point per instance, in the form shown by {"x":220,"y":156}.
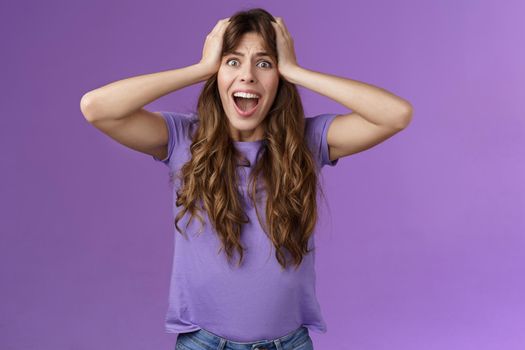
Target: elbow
{"x":405,"y":117}
{"x":87,"y":107}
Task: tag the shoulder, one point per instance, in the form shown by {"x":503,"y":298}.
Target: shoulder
{"x":318,"y":122}
{"x":315,"y":133}
{"x":180,"y":119}
{"x":180,"y":127}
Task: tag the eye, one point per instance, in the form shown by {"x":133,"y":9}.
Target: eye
{"x":230,"y":60}
{"x":269,"y":65}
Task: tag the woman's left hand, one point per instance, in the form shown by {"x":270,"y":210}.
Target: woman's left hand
{"x":285,"y":48}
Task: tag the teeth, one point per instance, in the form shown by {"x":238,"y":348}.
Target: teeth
{"x":245,"y":95}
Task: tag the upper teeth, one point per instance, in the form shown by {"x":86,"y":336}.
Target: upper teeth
{"x":245,"y":95}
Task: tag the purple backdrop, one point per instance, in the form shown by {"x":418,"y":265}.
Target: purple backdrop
{"x":423,"y":240}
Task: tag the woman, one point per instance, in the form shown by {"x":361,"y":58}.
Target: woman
{"x":246,"y":165}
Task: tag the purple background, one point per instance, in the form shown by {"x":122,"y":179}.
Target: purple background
{"x":422,"y":245}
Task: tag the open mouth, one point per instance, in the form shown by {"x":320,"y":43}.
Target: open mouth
{"x":245,"y":106}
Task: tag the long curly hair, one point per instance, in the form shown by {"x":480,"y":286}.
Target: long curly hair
{"x":286,"y":167}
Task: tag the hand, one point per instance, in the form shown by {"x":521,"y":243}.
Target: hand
{"x":285,"y":48}
{"x":211,"y":53}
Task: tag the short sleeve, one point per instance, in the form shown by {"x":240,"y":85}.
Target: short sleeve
{"x":316,"y":130}
{"x":178,"y":125}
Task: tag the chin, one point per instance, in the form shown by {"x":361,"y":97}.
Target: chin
{"x":244,"y":124}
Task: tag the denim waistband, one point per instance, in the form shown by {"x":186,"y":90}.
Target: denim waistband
{"x":211,"y":341}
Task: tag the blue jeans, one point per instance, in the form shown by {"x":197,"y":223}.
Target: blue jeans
{"x":204,"y":340}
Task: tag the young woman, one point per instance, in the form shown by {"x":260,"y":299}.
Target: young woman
{"x":246,"y":165}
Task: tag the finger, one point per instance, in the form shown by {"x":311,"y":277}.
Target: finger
{"x":220,"y":24}
{"x":284,"y":27}
{"x":280,"y":24}
{"x":278,"y":28}
{"x":225,"y":23}
{"x":216,"y":27}
{"x":278,"y":31}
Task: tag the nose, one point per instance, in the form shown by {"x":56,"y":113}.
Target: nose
{"x":247,"y":74}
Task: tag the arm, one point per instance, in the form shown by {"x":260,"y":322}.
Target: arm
{"x":376,"y":105}
{"x":117,"y":109}
{"x":377,"y":113}
{"x":121,"y":98}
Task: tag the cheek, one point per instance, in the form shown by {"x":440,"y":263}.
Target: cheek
{"x":272,"y":87}
{"x":223,"y":83}
{"x":223,"y":89}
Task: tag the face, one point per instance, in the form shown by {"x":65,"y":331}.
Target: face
{"x":247,"y":70}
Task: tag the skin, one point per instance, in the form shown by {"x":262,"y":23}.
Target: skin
{"x":377,"y":114}
{"x":253,"y":72}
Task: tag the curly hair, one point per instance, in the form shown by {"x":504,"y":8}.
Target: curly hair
{"x":286,"y":167}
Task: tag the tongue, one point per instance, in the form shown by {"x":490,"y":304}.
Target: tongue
{"x":246,"y":104}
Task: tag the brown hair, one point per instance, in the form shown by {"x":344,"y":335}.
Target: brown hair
{"x":288,"y":169}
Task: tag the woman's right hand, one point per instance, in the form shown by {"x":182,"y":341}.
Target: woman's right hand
{"x":211,"y":53}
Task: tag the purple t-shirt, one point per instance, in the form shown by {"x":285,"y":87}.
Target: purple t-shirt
{"x":257,"y":300}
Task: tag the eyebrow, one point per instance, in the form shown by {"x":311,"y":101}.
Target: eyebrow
{"x":258,"y":54}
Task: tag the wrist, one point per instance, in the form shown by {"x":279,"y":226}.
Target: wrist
{"x":206,"y":70}
{"x":290,"y":73}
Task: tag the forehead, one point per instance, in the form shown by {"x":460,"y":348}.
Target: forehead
{"x":251,"y":42}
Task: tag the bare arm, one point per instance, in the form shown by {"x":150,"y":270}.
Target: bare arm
{"x":117,"y":109}
{"x":377,"y":113}
{"x":123,"y":97}
{"x":376,"y":104}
